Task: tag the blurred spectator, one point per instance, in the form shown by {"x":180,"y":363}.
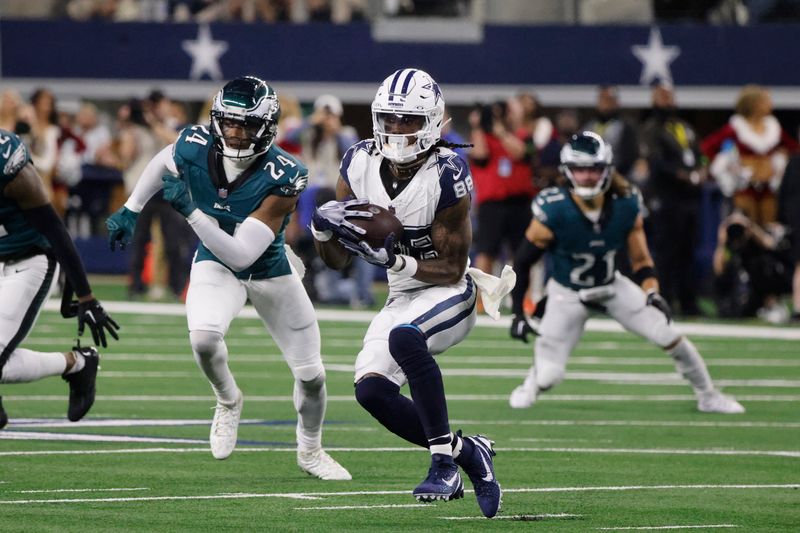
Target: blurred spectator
{"x":542,"y":139}
{"x":450,"y":135}
{"x":95,"y":134}
{"x":426,"y":8}
{"x":789,"y":214}
{"x":43,"y":118}
{"x":290,"y":122}
{"x":323,"y":140}
{"x":10,"y":120}
{"x":615,"y":130}
{"x":500,"y":164}
{"x":749,"y":155}
{"x":750,"y":271}
{"x":672,"y":196}
{"x":143,"y":131}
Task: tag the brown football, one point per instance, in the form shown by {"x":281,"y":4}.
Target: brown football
{"x":382,"y":223}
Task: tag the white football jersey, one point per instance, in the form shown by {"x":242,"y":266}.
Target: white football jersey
{"x":440,"y":182}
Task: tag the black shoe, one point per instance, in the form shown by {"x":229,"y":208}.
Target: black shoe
{"x":81,"y":384}
{"x":443,"y":481}
{"x":3,"y":415}
{"x":480,"y":469}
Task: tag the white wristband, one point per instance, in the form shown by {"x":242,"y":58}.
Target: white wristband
{"x":404,"y":266}
{"x":321,"y":236}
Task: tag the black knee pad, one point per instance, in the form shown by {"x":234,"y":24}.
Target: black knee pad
{"x":408,"y":346}
{"x":375,"y":394}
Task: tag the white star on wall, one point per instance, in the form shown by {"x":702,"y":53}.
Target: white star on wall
{"x":655,"y":58}
{"x":205,"y":54}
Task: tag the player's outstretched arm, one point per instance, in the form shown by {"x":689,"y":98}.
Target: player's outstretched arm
{"x":28,"y":190}
{"x":122,"y":222}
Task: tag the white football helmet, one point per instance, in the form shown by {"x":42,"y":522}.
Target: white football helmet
{"x":587,"y":150}
{"x":408,"y":96}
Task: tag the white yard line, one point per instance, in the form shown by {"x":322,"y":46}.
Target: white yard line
{"x":47,"y":491}
{"x":349,"y":507}
{"x":518,"y":517}
{"x":154,"y":422}
{"x":343,"y":315}
{"x":318,"y":495}
{"x":10,"y":435}
{"x":450,"y":398}
{"x":653,"y":528}
{"x":78,"y":437}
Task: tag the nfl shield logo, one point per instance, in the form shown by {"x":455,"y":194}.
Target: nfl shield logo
{"x":222,"y":193}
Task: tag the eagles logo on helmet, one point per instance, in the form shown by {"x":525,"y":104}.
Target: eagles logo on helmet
{"x":587,"y":150}
{"x":250,"y":105}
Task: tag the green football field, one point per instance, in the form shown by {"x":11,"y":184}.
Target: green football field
{"x":618,"y":446}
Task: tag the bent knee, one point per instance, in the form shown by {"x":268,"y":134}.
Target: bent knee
{"x":311,"y":377}
{"x":205,"y":343}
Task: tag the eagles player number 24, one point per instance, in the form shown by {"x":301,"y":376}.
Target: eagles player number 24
{"x":271,"y":166}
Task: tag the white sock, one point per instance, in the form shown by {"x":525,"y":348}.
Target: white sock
{"x":80,"y":362}
{"x":691,"y":366}
{"x":211,"y":355}
{"x":446,"y":448}
{"x":310,"y":400}
{"x":456,"y":445}
{"x":24,"y":365}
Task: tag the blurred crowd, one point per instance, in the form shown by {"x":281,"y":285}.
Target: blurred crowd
{"x":91,"y":158}
{"x":726,"y":12}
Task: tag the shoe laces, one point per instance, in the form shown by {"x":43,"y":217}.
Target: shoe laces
{"x":224,"y":420}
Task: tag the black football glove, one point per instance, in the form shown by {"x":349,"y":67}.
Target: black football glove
{"x":658,"y":301}
{"x":92,"y":314}
{"x":521,"y":328}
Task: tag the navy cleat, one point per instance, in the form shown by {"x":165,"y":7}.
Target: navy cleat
{"x":82,"y":384}
{"x":3,"y":415}
{"x":480,"y":469}
{"x":443,"y":481}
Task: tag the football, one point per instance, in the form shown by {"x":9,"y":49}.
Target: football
{"x":382,"y":223}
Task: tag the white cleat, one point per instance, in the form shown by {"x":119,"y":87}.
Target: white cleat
{"x":322,"y":465}
{"x":716,"y":402}
{"x":225,"y":427}
{"x":522,"y":397}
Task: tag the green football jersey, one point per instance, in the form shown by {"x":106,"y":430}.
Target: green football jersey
{"x":274,"y":172}
{"x":17,"y":237}
{"x":584,"y":252}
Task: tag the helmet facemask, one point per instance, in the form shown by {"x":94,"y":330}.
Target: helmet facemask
{"x":402,"y":137}
{"x":587,"y":150}
{"x":244,"y":118}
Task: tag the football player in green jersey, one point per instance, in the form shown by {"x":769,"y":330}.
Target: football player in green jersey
{"x":33,"y":245}
{"x":583,"y":226}
{"x":237,"y":190}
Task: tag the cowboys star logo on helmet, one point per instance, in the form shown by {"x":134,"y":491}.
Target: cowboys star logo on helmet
{"x":410,"y":97}
{"x":244,"y":117}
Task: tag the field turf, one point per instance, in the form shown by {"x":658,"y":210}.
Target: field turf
{"x":618,"y":446}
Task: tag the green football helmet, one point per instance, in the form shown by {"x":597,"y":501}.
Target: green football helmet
{"x":244,"y":117}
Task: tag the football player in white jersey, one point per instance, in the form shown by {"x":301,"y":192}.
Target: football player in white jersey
{"x":431,"y":305}
{"x":583,"y":226}
{"x":237,"y":190}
